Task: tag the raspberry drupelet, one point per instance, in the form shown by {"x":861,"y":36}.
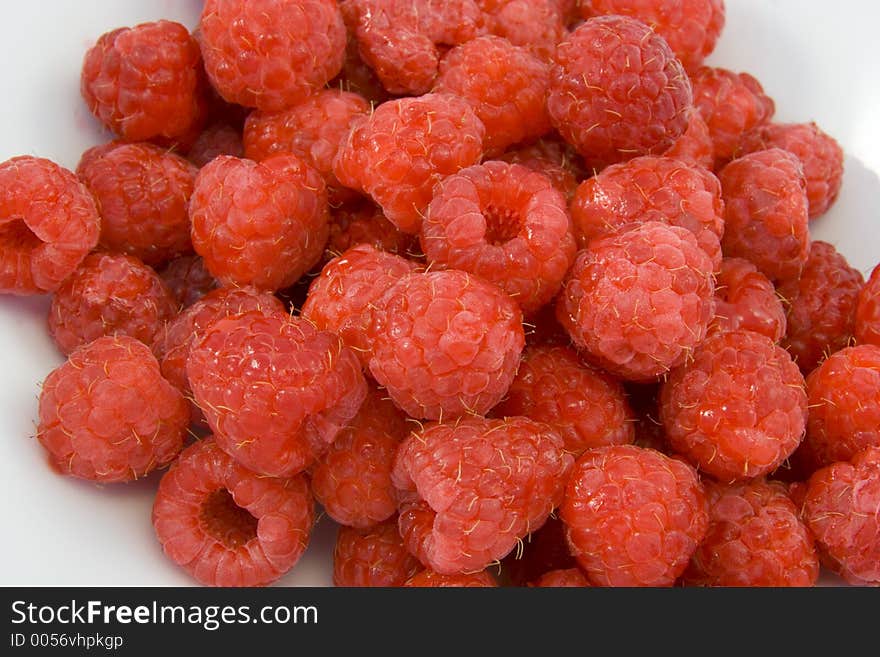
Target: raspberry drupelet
{"x":187,"y":280}
{"x":275,"y":390}
{"x":362,"y":222}
{"x":470,"y":490}
{"x":638,"y":301}
{"x":695,"y":144}
{"x":755,"y":538}
{"x":372,"y":557}
{"x":48,"y":223}
{"x":109,"y":294}
{"x":821,"y":306}
{"x":445,"y":344}
{"x":568,"y":578}
{"x":552,"y":157}
{"x":430,"y":579}
{"x":634,"y":517}
{"x":765,"y":213}
{"x":219,"y":138}
{"x":505,"y":223}
{"x":738,"y":409}
{"x":404,"y":148}
{"x":534,"y":24}
{"x":108,"y":415}
{"x":142,"y":193}
{"x":586,"y":406}
{"x":746,"y":299}
{"x":146,"y":81}
{"x":617,"y":91}
{"x":352,"y":480}
{"x":261,"y":224}
{"x":271,"y":54}
{"x":227,"y":526}
{"x":867,"y":327}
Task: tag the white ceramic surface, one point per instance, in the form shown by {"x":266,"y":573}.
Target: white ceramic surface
{"x":815,"y":59}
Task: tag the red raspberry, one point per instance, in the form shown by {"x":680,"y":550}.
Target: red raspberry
{"x":187,"y":280}
{"x":765,"y":212}
{"x":110,"y":294}
{"x":356,"y":76}
{"x":215,"y":140}
{"x":505,"y":85}
{"x":746,"y":299}
{"x":108,"y":415}
{"x":271,"y":54}
{"x":311,"y":130}
{"x":372,"y":557}
{"x":755,"y":538}
{"x":505,"y":223}
{"x":844,"y":394}
{"x":738,"y":409}
{"x":445,"y":343}
{"x":568,"y":578}
{"x":821,"y":306}
{"x":260,"y":224}
{"x":842,"y":509}
{"x":533,"y":24}
{"x":342,"y":298}
{"x":430,"y":579}
{"x":820,"y":155}
{"x":474,"y":488}
{"x":542,"y":551}
{"x":691,"y":27}
{"x":146,"y":81}
{"x":227,"y":526}
{"x":651,"y":189}
{"x":553,"y":158}
{"x":404,"y":148}
{"x":48,"y":223}
{"x":731,"y":104}
{"x":634,"y":516}
{"x":868,"y":310}
{"x":617,"y":91}
{"x":587,"y":407}
{"x":638,"y":301}
{"x":352,"y":480}
{"x":400,"y":39}
{"x":142,"y":193}
{"x":274,"y":389}
{"x":362,"y":222}
{"x":695,"y":144}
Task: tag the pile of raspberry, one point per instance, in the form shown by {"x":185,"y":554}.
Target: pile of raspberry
{"x":518,"y":293}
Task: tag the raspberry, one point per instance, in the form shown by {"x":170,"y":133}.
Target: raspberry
{"x":731,"y":104}
{"x":638,"y":301}
{"x":445,"y":343}
{"x":690,"y":27}
{"x":617,"y":91}
{"x":587,"y":407}
{"x":146,"y":81}
{"x":746,"y":299}
{"x":342,"y":298}
{"x":262,"y":224}
{"x":187,"y":280}
{"x":820,"y":155}
{"x":844,"y":394}
{"x":142,"y":194}
{"x":755,"y":538}
{"x":227,"y":526}
{"x":271,"y":54}
{"x":108,"y":415}
{"x":311,"y":130}
{"x":428,"y":578}
{"x":505,"y":223}
{"x":821,"y":306}
{"x":275,"y":391}
{"x":48,"y":223}
{"x":533,"y":24}
{"x":738,"y":409}
{"x":399,"y":39}
{"x":651,"y":189}
{"x":542,"y":551}
{"x":553,"y":158}
{"x":505,"y":85}
{"x":695,"y":144}
{"x":842,"y":509}
{"x":765,"y":212}
{"x":372,"y":557}
{"x":570,"y":577}
{"x":404,"y":148}
{"x":634,"y":517}
{"x":474,"y":488}
{"x":868,"y":310}
{"x":352,"y":480}
{"x":215,"y":140}
{"x":110,"y":294}
{"x":356,"y":76}
{"x":362,"y":222}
